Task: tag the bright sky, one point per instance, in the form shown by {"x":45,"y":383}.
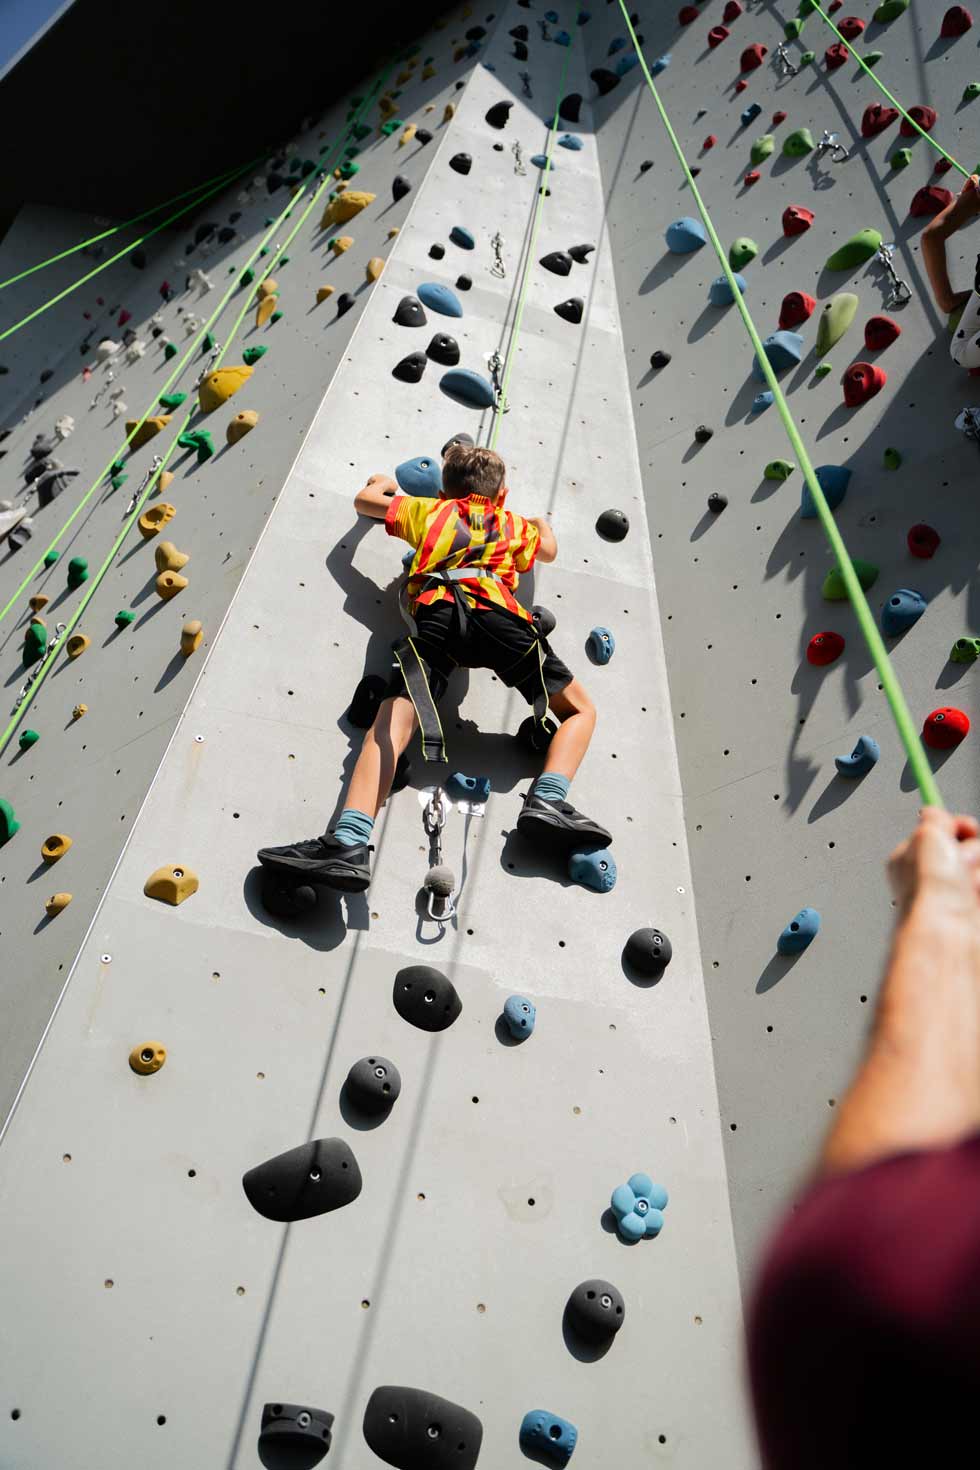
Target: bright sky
{"x":21,"y":23}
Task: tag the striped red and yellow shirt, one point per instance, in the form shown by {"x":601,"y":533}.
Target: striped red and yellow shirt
{"x":469,"y":532}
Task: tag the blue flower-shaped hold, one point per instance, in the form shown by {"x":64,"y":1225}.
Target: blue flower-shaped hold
{"x":638,"y":1206}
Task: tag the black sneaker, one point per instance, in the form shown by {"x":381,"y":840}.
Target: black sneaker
{"x":322,"y":861}
{"x":558,"y":826}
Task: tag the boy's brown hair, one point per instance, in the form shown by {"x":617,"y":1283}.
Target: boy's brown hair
{"x":473,"y":470}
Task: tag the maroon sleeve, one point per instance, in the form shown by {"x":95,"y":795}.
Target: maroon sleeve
{"x":864,"y":1333}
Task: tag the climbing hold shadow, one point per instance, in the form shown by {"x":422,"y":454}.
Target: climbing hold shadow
{"x":864,"y":755}
{"x":293,"y":1436}
{"x":367,"y":700}
{"x":415,"y":1430}
{"x":426,"y":998}
{"x":311,"y":1179}
{"x":799,"y":932}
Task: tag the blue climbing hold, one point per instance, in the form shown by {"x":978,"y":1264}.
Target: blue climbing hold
{"x":547,"y":1438}
{"x":616,"y":44}
{"x":750,"y":113}
{"x":864,"y":755}
{"x":685,"y":235}
{"x":720,"y":292}
{"x":902,"y":609}
{"x":627,"y":63}
{"x":661,"y":64}
{"x":596,"y":869}
{"x":468,"y":788}
{"x":488,"y":66}
{"x":466,"y":387}
{"x":440,"y":298}
{"x":833,"y":480}
{"x":463,"y":238}
{"x":600,"y":645}
{"x":762,"y":401}
{"x":638,"y":1206}
{"x":569,"y":140}
{"x":474,"y":48}
{"x":799,"y":932}
{"x":519,"y":1016}
{"x":583,"y":17}
{"x":540,"y":160}
{"x":551,"y":16}
{"x":783,"y":349}
{"x":420,"y":476}
{"x":563,"y":39}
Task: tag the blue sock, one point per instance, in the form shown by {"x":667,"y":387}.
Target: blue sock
{"x":552,"y":787}
{"x":353,"y":827}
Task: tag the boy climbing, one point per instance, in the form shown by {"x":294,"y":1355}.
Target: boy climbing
{"x":965,"y":347}
{"x":462,"y":612}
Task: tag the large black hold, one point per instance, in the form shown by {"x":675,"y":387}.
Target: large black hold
{"x":604,"y":80}
{"x":426,"y":998}
{"x":570,"y":107}
{"x":400,"y":187}
{"x":444,"y":349}
{"x":460,"y":162}
{"x":557,"y":261}
{"x":409,"y":313}
{"x":309,"y":1180}
{"x":498,"y":115}
{"x":294,"y":1435}
{"x":613,"y":525}
{"x":648,"y":951}
{"x":411,"y":368}
{"x":415,"y":1430}
{"x":571,"y":310}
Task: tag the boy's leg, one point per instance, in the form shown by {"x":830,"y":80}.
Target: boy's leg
{"x":547,"y":817}
{"x":384,"y":743}
{"x":577,"y":715}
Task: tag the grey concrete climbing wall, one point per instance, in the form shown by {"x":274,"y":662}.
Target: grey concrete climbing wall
{"x":486,"y":1192}
{"x":770,"y":824}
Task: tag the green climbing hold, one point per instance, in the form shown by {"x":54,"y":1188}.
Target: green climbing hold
{"x":890,"y":10}
{"x":27,"y":738}
{"x":208,"y":343}
{"x":77,"y":571}
{"x":360,"y":131}
{"x":351,"y":151}
{"x":901,"y":158}
{"x":248,"y":276}
{"x":118,"y":481}
{"x":808,"y":58}
{"x":965,"y":650}
{"x":251,"y":355}
{"x":169,"y":350}
{"x":798,"y":144}
{"x":778,"y":469}
{"x":117,"y":467}
{"x":836,"y":317}
{"x":392,"y":126}
{"x":822,"y":369}
{"x":276,"y":315}
{"x":348,"y":170}
{"x":792,"y":29}
{"x":35,"y":643}
{"x":743,"y":250}
{"x":833,"y":584}
{"x":893,"y":459}
{"x":971,"y":92}
{"x":284,"y":260}
{"x":198,"y":439}
{"x":264,"y":250}
{"x":871,"y":58}
{"x":855,"y":251}
{"x":124,"y":617}
{"x":762,"y":147}
{"x":8,"y":822}
{"x":171,"y":400}
{"x":50,"y":557}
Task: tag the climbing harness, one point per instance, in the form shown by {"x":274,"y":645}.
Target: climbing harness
{"x":526,"y":83}
{"x":831,"y":143}
{"x":518,"y":153}
{"x":908,"y":733}
{"x":497,"y":246}
{"x":900,"y":292}
{"x":782,"y":61}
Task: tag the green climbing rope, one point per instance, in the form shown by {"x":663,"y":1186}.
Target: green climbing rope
{"x":892,"y":99}
{"x":133,"y":244}
{"x":499,"y":405}
{"x":901,"y":714}
{"x":114,"y":229}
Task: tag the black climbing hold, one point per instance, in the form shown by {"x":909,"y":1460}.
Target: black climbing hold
{"x":604,"y":80}
{"x":411,"y":368}
{"x":138,"y":258}
{"x":557,"y":261}
{"x":436,"y":252}
{"x":305,"y":1181}
{"x":648,"y":951}
{"x":545,"y":192}
{"x":48,"y":373}
{"x":293,"y":1435}
{"x":235,"y":216}
{"x":444,"y":349}
{"x":226,"y":233}
{"x":344,"y":302}
{"x":498,"y":147}
{"x":426,"y":998}
{"x":204,"y":232}
{"x":373,"y":1084}
{"x":520,"y":51}
{"x":461,"y":162}
{"x":461,"y":84}
{"x":570,"y":106}
{"x":476,"y":33}
{"x":273,"y":182}
{"x":423,"y":136}
{"x":519,"y":33}
{"x":415,"y":1430}
{"x":156,"y":331}
{"x":571,"y":310}
{"x":460,"y":438}
{"x":659,"y":359}
{"x":498,"y":115}
{"x":284,"y":898}
{"x":613,"y":525}
{"x":580,"y":253}
{"x":367,"y":701}
{"x":595,"y":1311}
{"x":463,"y":283}
{"x":400,"y":187}
{"x":409,"y":313}
{"x":544,"y":620}
{"x":717,"y":502}
{"x":645,"y":165}
{"x":702,"y":433}
{"x":535,"y":736}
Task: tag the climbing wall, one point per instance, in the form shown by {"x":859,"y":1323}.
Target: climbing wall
{"x":486,"y":1190}
{"x":772,"y":827}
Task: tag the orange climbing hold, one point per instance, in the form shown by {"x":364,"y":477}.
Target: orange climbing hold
{"x":77,"y":644}
{"x":243,"y":423}
{"x":264,"y":310}
{"x":56,"y":903}
{"x":53,"y":848}
{"x":168,"y":558}
{"x":172,"y":884}
{"x":324,"y":293}
{"x":154,"y":519}
{"x":374,"y":267}
{"x":147,"y":430}
{"x":168,"y":584}
{"x":217,"y":387}
{"x":341,"y":243}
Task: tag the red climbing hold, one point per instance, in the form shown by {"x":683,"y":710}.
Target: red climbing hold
{"x":956,"y":22}
{"x":797,"y":220}
{"x":863,"y":381}
{"x":732,"y":11}
{"x":880,"y":332}
{"x":851,"y":27}
{"x":876,"y":119}
{"x":752,"y":177}
{"x":930,"y":201}
{"x":753,"y":56}
{"x":797,"y":307}
{"x":824,"y":649}
{"x":716,"y":35}
{"x":834,"y":6}
{"x":836,"y":55}
{"x":924,"y":116}
{"x":123,"y":317}
{"x":741,"y":84}
{"x":923,"y":541}
{"x":687,"y":15}
{"x":777,"y":118}
{"x":945,"y":728}
{"x":708,"y":143}
{"x":943,"y":166}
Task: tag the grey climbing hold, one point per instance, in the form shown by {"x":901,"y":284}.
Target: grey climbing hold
{"x":426,"y":998}
{"x":612,"y":525}
{"x":462,"y":237}
{"x":294,"y":1435}
{"x":411,"y":368}
{"x":373,"y":1085}
{"x":440,"y":298}
{"x":783,"y":349}
{"x":409,"y":313}
{"x":648,"y":951}
{"x":443,"y":349}
{"x":571,"y":310}
{"x":464,"y":386}
{"x":685,"y":235}
{"x":864,"y":755}
{"x":400,"y":186}
{"x":557,"y":261}
{"x":305,"y":1181}
{"x":415,"y":1430}
{"x":595,"y":1311}
{"x":498,"y":115}
{"x":460,"y":162}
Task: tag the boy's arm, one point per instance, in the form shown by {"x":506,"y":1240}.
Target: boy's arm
{"x":547,"y":545}
{"x":964,"y":208}
{"x":374,"y":500}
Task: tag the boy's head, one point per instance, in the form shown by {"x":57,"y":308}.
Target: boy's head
{"x":471,"y":470}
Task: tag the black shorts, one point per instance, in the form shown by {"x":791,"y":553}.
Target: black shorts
{"x":506,"y":645}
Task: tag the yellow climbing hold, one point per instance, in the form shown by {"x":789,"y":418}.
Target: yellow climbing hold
{"x":154,"y":519}
{"x":219,"y":386}
{"x":392,"y":232}
{"x":428,"y":72}
{"x":345,"y":206}
{"x":56,"y":903}
{"x":267,"y":306}
{"x":77,"y":644}
{"x":374,"y":267}
{"x":190,"y":637}
{"x":147,"y":430}
{"x":341,"y":243}
{"x":243,"y":423}
{"x":39,"y":601}
{"x":168,"y":558}
{"x":171,"y":884}
{"x":79,"y":711}
{"x":323,"y":293}
{"x":55,"y":847}
{"x":148,"y":1057}
{"x":168,"y":584}
{"x":407,"y":135}
{"x":449,"y":112}
{"x":268,"y":287}
{"x":386,"y":106}
{"x":164,"y":479}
